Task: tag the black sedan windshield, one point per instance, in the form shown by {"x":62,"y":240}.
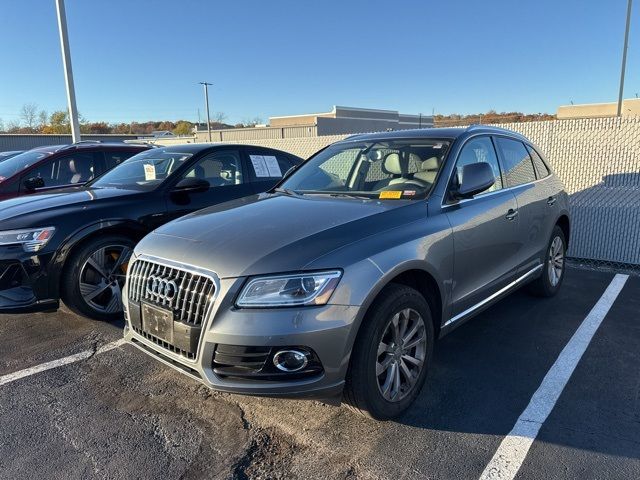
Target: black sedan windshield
{"x":391,"y":169}
{"x":144,"y":171}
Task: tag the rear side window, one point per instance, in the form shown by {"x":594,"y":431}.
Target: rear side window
{"x":541,"y":167}
{"x":267,"y":164}
{"x":518,"y":167}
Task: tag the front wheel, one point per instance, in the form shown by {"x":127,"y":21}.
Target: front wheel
{"x":549,"y":282}
{"x":391,"y":355}
{"x":94,"y":276}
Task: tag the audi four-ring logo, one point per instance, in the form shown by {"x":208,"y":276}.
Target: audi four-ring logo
{"x":161,"y":288}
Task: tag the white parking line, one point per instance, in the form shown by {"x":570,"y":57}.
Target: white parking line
{"x":514,"y":447}
{"x":27,"y":372}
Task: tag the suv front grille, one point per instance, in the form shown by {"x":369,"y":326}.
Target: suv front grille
{"x":191,"y":299}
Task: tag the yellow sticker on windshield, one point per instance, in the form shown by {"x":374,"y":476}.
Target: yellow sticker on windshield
{"x":391,"y":194}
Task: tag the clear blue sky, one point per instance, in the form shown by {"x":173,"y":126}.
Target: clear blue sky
{"x":140,"y":60}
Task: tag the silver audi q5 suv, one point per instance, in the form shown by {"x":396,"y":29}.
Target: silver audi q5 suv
{"x":339,"y":280}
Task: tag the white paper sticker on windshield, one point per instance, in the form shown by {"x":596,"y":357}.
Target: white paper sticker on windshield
{"x":149,"y":172}
{"x":259,"y":165}
{"x":272,"y":166}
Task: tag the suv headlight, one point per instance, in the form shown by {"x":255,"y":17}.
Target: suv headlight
{"x":31,"y":239}
{"x":313,"y":288}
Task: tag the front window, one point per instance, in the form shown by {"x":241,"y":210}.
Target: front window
{"x":144,"y":171}
{"x":20,"y":162}
{"x":391,"y":169}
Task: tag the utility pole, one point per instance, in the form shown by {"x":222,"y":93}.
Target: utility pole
{"x":624,"y":57}
{"x":68,"y":73}
{"x":206,"y":101}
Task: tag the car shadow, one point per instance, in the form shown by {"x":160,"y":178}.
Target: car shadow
{"x":484,"y":373}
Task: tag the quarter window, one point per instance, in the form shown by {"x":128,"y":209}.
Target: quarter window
{"x":541,"y":167}
{"x":518,"y":167}
{"x":479,"y":150}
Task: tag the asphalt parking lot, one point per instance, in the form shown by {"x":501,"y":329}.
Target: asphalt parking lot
{"x":120,"y":414}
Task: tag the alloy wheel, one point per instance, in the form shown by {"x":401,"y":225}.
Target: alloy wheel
{"x":102,"y":277}
{"x":401,"y":355}
{"x":555,"y":264}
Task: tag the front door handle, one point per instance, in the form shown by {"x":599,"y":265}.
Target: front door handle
{"x":511,"y":214}
{"x":551,"y":201}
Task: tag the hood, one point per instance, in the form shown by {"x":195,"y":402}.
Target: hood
{"x":272,"y":233}
{"x":40,"y":205}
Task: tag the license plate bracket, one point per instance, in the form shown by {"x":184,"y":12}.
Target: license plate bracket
{"x":158,"y":322}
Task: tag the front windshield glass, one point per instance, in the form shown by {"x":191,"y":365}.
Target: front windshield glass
{"x":392,"y":169}
{"x":13,"y":165}
{"x":144,"y":171}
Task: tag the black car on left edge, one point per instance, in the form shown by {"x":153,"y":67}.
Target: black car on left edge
{"x":74,"y":243}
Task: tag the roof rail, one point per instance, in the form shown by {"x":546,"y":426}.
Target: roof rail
{"x":478,"y":126}
{"x":81,"y":142}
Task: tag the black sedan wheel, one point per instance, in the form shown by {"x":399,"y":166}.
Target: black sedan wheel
{"x":95,"y":275}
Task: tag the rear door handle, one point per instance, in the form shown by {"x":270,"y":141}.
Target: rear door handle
{"x":511,"y":214}
{"x":551,"y":201}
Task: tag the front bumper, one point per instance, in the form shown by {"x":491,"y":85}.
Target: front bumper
{"x":325,"y":330}
{"x":24,"y":281}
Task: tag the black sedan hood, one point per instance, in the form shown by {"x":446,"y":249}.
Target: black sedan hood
{"x":274,"y":232}
{"x":32,"y":210}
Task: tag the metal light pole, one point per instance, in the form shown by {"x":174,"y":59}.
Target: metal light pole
{"x":206,"y":101}
{"x":624,"y":57}
{"x":68,"y":73}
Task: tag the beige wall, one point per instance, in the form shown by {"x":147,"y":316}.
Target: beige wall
{"x":630,"y":107}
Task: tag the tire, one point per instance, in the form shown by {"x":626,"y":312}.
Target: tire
{"x":553,"y":271}
{"x":363,"y":390}
{"x":93,"y":277}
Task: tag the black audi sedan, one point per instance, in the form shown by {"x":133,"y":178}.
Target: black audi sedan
{"x":75,"y":243}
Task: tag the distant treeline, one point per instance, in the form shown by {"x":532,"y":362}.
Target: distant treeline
{"x":490,"y":117}
{"x":33,"y":120}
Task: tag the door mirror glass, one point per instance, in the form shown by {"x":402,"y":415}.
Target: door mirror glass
{"x":191,"y":185}
{"x":30,"y":184}
{"x":476,"y":178}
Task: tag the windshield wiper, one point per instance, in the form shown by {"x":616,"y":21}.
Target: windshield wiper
{"x":288,"y":191}
{"x":350,"y":195}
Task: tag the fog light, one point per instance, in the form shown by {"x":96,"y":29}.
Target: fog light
{"x":290,"y":360}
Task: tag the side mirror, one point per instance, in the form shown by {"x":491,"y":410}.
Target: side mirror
{"x":476,"y":178}
{"x":30,"y":184}
{"x":191,"y":185}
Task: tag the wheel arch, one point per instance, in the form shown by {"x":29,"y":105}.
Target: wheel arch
{"x":416,"y":274}
{"x":565,"y":225}
{"x":74,"y":241}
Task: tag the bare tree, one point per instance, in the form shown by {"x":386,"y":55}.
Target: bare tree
{"x":13,"y":126}
{"x":43,"y":119}
{"x":1,"y":125}
{"x":252,"y":122}
{"x":219,"y":117}
{"x":29,"y":114}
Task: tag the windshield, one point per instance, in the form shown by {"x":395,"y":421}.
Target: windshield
{"x":144,"y":171}
{"x":394,"y":169}
{"x":13,"y":165}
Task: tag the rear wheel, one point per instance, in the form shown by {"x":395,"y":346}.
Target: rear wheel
{"x":391,"y":355}
{"x":94,"y":277}
{"x":549,"y":282}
